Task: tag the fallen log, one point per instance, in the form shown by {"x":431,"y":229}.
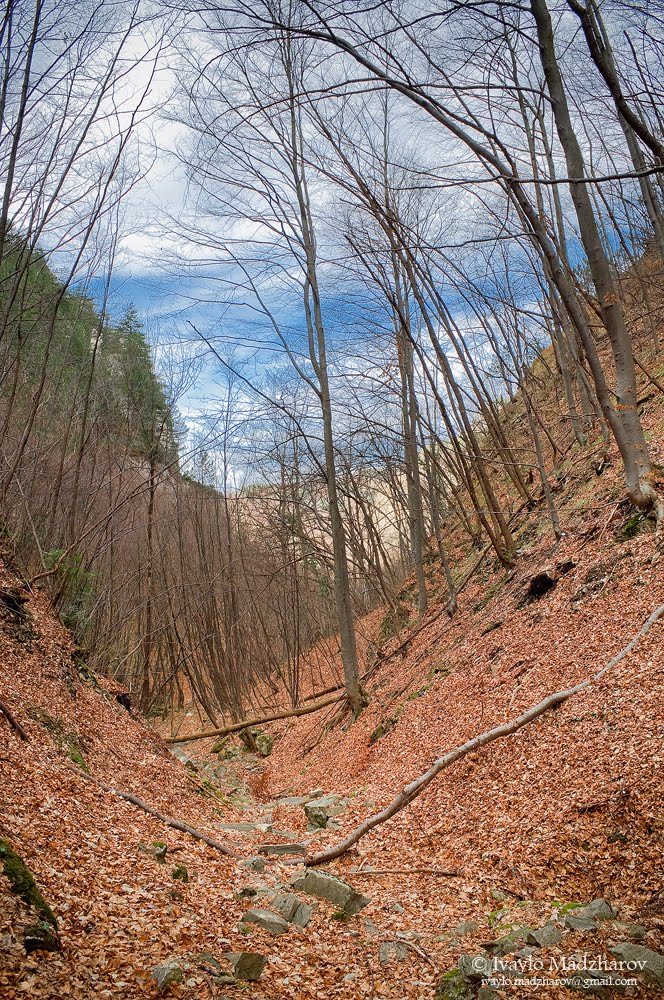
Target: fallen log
{"x":176,"y":824}
{"x":288,"y":713}
{"x":14,"y":723}
{"x":412,"y":790}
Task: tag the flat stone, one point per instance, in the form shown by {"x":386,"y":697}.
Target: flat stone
{"x":326,"y":886}
{"x":579,"y":923}
{"x":392,"y":951}
{"x":279,"y":849}
{"x":545,"y":936}
{"x":247,"y":965}
{"x":167,"y":973}
{"x":269,"y":921}
{"x":646,"y":963}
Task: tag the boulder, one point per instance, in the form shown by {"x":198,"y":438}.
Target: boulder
{"x":292,"y":908}
{"x":634,"y":931}
{"x":642,"y":962}
{"x":167,"y":973}
{"x":247,"y":965}
{"x":319,"y":811}
{"x":269,"y":921}
{"x":326,"y":886}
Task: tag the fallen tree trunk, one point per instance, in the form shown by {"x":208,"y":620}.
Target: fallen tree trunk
{"x":412,"y":790}
{"x":288,"y":713}
{"x":176,"y":824}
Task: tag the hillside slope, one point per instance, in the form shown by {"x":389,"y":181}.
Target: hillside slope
{"x":567,"y":810}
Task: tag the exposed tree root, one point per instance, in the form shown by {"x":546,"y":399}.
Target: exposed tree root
{"x":274,"y":717}
{"x":412,"y":790}
{"x":177,"y":824}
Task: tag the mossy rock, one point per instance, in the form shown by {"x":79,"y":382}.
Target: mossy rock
{"x":454,"y":986}
{"x":22,"y":883}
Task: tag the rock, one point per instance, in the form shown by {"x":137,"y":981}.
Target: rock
{"x":545,"y":936}
{"x":279,"y":849}
{"x":326,"y":886}
{"x":395,"y":908}
{"x":247,"y":965}
{"x":586,"y":918}
{"x":392,"y":951}
{"x":599,"y":909}
{"x":41,"y":937}
{"x":22,"y":883}
{"x":157,"y":851}
{"x":453,"y":986}
{"x":320,"y":811}
{"x":264,"y":743}
{"x":487,"y":993}
{"x":474,"y":968}
{"x":269,"y":921}
{"x":208,"y":961}
{"x":251,"y":891}
{"x":508,"y":943}
{"x":371,"y":928}
{"x":167,"y":973}
{"x":634,"y":931}
{"x":247,"y":827}
{"x":596,"y":982}
{"x":292,"y":908}
{"x":465,"y":927}
{"x":641,"y":962}
{"x":254,"y":864}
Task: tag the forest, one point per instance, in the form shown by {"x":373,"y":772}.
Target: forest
{"x":331,"y":378}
